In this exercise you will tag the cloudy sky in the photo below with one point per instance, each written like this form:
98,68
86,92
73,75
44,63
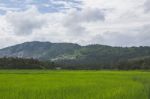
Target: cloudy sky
108,22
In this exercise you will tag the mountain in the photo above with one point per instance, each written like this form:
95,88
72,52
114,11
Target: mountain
38,50
74,55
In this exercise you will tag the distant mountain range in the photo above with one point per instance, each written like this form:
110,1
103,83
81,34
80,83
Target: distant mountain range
72,54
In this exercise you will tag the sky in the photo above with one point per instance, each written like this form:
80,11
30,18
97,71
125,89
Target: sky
106,22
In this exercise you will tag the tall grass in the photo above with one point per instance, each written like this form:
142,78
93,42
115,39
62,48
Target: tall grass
38,84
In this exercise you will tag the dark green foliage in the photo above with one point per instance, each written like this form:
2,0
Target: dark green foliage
19,63
74,56
141,63
107,57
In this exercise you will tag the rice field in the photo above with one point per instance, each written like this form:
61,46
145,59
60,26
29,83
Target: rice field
41,84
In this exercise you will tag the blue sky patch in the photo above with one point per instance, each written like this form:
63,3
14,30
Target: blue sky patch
44,6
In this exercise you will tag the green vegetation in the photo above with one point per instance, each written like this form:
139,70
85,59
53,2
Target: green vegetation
74,56
40,84
20,63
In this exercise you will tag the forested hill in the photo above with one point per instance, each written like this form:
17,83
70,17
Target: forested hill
38,50
69,55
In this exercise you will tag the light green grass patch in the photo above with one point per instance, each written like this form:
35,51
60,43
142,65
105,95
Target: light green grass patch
40,84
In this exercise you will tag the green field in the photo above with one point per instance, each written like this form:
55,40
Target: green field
40,84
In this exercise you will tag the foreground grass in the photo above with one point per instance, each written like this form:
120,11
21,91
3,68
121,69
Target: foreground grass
38,84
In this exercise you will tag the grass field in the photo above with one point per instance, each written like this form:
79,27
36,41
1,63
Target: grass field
40,84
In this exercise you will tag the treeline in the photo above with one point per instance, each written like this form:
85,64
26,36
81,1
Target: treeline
19,63
132,64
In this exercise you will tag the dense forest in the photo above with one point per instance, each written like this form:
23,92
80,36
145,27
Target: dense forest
133,64
143,63
20,63
46,55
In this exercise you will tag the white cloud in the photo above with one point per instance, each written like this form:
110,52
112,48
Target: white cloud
147,5
25,22
134,37
75,20
118,23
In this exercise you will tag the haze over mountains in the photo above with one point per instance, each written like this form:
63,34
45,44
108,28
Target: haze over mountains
74,54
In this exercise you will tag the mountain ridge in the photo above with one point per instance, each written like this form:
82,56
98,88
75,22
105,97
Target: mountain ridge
75,54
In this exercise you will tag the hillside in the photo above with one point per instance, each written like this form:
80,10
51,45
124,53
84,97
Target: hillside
69,55
38,50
